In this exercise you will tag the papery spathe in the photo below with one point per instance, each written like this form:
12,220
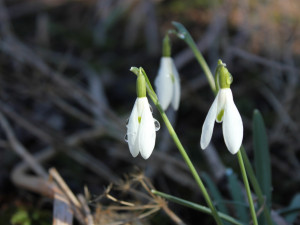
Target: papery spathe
224,109
167,84
141,131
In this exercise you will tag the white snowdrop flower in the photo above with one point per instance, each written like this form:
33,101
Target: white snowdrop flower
167,81
141,127
223,110
167,84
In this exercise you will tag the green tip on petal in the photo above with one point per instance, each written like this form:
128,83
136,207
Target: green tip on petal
140,85
166,46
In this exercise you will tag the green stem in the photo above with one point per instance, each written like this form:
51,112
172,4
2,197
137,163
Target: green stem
187,161
256,186
195,206
185,35
177,142
245,179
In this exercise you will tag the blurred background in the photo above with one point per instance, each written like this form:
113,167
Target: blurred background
66,92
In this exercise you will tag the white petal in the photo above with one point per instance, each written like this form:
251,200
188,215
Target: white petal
176,88
163,82
208,126
232,125
147,132
221,102
132,131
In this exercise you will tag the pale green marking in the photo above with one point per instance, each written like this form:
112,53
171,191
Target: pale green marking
220,115
139,119
172,78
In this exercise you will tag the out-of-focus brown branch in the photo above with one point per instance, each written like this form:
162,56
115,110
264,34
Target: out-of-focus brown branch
261,60
20,150
39,183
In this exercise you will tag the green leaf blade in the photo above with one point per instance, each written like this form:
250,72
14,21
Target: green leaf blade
262,156
237,196
216,195
262,160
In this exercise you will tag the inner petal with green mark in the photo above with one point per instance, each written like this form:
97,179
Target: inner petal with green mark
220,115
172,78
139,119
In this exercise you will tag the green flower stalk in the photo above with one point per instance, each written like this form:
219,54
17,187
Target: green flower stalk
183,34
181,149
224,110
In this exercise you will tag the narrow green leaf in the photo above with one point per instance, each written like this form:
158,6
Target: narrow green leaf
294,205
256,186
216,195
237,195
195,206
262,159
262,156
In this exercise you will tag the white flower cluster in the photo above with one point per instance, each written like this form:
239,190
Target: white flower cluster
142,127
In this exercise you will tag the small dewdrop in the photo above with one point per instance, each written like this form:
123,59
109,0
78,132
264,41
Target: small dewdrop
141,126
223,110
167,81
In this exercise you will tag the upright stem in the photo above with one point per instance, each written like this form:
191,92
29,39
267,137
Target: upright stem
204,65
152,95
245,179
185,35
256,186
188,161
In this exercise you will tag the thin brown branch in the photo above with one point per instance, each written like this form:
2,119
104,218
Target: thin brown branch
19,148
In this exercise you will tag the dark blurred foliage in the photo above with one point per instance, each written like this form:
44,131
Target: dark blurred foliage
65,83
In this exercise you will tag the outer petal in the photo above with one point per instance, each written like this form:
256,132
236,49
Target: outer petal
232,125
163,82
147,134
132,131
208,126
176,88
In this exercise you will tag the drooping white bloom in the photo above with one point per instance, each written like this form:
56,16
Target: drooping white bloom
224,110
141,129
167,84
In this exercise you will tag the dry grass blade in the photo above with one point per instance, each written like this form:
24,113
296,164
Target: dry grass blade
86,209
61,211
75,204
62,184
